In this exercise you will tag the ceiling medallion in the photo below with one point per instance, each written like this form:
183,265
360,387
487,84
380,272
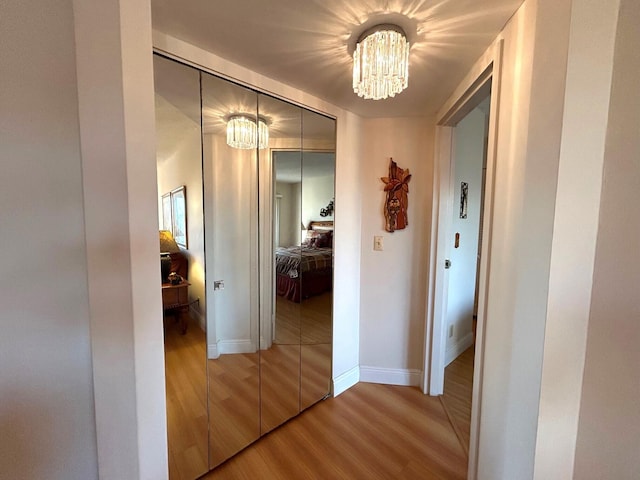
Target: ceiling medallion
381,62
243,133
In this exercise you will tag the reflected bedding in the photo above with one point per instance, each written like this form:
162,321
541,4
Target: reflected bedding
302,272
292,261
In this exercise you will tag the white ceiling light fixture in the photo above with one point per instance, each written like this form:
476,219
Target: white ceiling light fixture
381,62
243,133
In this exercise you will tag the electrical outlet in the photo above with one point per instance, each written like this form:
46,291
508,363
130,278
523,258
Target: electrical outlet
377,243
450,331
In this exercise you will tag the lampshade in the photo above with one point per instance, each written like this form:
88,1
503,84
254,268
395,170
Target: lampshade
167,242
243,133
381,62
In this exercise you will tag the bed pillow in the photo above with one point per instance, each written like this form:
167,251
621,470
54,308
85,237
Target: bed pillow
310,239
324,240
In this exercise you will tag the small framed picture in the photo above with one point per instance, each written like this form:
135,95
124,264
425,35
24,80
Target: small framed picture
464,194
174,214
167,221
179,215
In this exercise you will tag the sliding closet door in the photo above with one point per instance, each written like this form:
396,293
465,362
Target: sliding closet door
317,214
231,216
280,356
179,158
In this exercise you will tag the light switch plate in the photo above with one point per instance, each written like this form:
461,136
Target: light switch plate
377,243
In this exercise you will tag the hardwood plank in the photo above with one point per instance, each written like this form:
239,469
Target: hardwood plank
186,386
458,388
369,432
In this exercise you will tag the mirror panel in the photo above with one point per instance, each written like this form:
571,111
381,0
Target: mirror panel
280,354
179,157
317,214
231,216
250,348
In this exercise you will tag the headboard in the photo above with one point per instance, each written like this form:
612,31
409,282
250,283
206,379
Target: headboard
321,225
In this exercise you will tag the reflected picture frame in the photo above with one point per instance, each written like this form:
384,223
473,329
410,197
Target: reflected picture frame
174,214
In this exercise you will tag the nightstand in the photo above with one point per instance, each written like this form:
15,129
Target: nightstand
175,299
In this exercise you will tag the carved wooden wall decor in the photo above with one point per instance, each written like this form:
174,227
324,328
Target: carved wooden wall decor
397,201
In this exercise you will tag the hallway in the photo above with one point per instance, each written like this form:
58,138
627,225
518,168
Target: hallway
368,432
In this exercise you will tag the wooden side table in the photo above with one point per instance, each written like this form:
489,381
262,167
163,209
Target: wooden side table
175,299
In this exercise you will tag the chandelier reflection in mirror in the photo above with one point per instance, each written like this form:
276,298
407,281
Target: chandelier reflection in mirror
243,133
381,62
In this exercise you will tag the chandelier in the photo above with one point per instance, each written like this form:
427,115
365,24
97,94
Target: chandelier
242,132
381,62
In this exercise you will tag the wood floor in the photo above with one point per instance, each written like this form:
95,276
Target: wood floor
186,384
371,432
458,386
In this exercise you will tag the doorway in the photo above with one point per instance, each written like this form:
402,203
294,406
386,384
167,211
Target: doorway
468,173
482,81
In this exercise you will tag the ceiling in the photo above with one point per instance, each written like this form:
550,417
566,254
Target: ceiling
308,43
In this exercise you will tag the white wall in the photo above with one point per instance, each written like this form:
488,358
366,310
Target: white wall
608,433
574,233
289,213
528,144
317,192
179,161
232,242
46,393
393,281
115,92
469,147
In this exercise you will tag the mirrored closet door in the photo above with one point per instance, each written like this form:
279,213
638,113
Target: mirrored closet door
231,233
180,213
249,348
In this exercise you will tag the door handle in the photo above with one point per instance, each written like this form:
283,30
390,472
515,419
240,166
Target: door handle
447,264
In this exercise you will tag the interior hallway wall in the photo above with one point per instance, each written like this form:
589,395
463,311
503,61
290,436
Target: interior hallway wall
46,393
609,424
393,282
530,103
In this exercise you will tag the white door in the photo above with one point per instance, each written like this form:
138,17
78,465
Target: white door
469,146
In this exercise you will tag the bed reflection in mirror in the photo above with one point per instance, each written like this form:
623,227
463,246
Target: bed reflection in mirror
280,354
304,252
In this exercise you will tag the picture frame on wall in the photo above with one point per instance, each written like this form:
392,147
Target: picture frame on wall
174,214
167,222
179,215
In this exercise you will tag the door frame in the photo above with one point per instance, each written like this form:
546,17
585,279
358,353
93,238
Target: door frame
484,75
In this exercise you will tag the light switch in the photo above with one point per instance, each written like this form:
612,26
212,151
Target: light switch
377,243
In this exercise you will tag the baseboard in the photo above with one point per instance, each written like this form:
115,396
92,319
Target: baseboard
455,350
214,350
391,376
346,381
197,316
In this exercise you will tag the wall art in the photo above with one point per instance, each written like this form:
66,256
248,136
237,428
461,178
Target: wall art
464,195
397,200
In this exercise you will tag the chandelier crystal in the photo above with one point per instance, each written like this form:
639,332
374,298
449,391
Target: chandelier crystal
381,63
243,133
